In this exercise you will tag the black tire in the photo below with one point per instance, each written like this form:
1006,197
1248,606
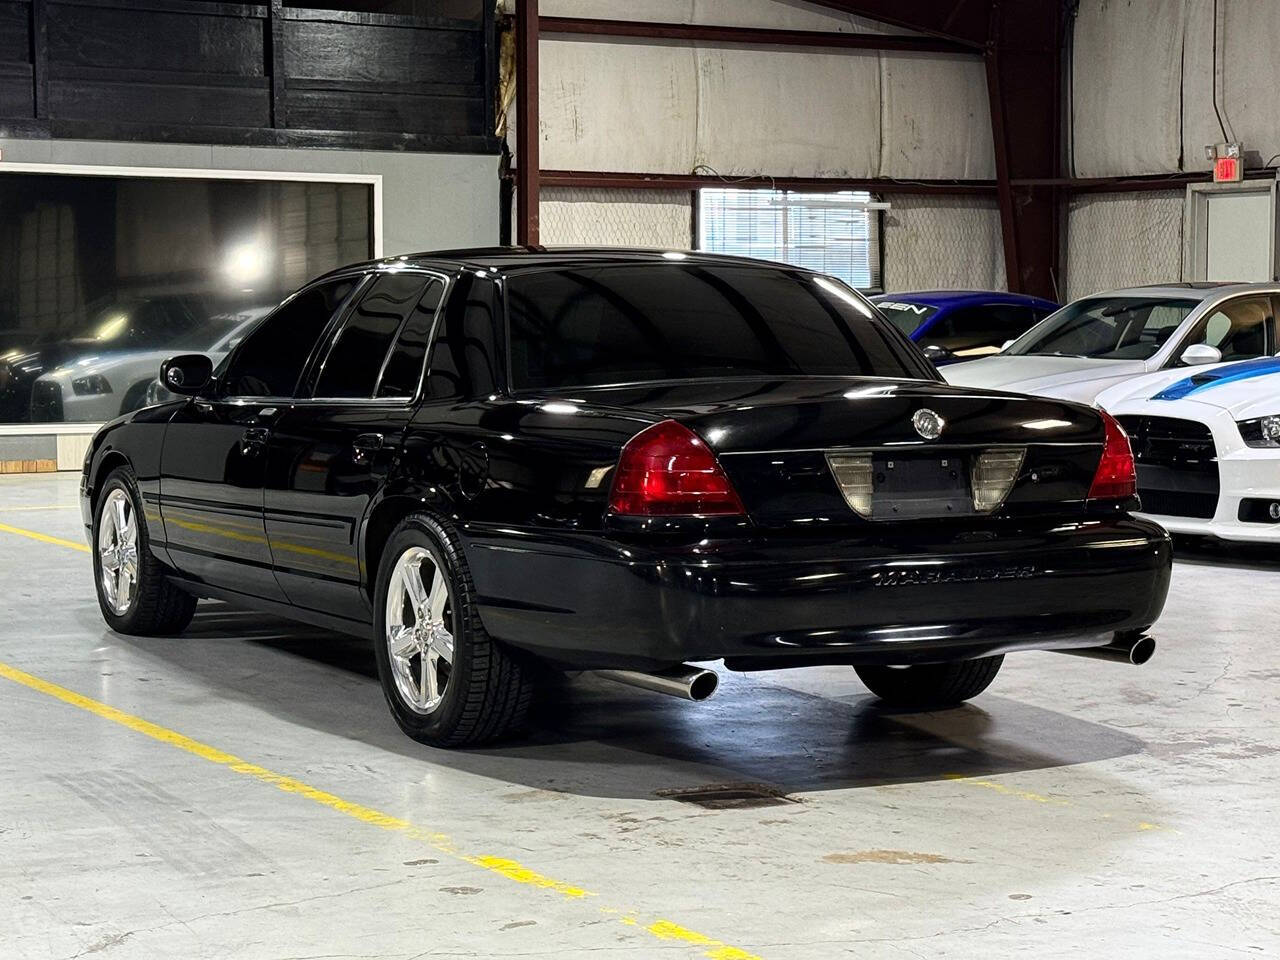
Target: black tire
489,686
157,606
931,686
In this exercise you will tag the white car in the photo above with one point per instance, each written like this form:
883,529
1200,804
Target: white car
1207,446
101,386
1100,341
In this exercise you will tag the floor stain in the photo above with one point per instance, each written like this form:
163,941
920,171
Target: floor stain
889,856
462,891
420,863
519,923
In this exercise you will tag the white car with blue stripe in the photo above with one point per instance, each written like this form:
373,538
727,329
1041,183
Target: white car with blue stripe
1207,445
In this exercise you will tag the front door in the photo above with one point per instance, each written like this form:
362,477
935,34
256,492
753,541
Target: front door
214,460
332,451
212,470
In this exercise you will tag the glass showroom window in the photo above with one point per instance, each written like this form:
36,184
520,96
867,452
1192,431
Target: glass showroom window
835,233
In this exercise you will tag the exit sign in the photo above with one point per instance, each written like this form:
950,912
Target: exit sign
1228,170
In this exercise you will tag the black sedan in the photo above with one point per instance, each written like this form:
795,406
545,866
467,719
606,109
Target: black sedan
498,461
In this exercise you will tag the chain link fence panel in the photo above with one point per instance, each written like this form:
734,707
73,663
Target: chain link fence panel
939,243
1123,240
617,218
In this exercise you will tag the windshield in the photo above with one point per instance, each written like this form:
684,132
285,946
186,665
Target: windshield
1106,328
593,325
907,317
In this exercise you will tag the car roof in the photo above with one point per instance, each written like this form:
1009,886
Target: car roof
954,298
1188,291
512,259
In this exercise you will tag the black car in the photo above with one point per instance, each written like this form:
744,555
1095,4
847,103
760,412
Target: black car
500,461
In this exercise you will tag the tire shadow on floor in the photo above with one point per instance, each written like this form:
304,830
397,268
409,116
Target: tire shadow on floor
593,737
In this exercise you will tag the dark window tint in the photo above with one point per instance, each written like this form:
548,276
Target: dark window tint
270,360
617,324
464,358
404,366
355,359
980,328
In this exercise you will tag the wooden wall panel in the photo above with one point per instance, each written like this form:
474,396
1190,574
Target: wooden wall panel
207,71
148,40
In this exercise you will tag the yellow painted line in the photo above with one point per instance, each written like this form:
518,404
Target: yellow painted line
44,538
1006,790
1036,797
513,870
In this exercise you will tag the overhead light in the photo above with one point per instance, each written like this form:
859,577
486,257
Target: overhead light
246,263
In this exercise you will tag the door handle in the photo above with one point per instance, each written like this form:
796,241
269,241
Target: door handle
254,440
366,444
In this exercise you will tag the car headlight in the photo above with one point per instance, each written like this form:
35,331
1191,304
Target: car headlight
1261,432
92,384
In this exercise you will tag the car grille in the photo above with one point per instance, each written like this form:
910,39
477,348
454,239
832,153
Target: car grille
46,402
1177,466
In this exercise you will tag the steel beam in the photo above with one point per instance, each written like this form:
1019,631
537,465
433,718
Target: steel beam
587,179
747,36
527,176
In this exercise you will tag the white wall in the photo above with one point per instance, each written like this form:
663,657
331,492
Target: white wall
1144,80
1143,103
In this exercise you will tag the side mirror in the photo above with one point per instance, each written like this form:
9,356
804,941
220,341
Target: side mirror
938,354
186,374
1199,354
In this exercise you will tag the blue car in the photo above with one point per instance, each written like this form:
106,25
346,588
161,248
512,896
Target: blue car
955,325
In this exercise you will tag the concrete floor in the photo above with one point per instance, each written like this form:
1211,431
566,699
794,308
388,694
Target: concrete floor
1078,809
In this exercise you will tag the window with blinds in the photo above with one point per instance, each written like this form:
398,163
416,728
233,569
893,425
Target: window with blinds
833,233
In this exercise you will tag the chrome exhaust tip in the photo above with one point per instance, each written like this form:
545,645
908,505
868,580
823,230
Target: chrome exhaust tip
1136,650
684,682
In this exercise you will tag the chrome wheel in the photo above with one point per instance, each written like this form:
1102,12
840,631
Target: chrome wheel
419,639
118,551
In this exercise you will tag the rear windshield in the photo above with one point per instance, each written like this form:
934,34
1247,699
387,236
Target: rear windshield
907,317
1106,328
595,325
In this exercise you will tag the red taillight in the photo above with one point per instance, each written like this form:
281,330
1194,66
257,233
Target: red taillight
666,470
1116,476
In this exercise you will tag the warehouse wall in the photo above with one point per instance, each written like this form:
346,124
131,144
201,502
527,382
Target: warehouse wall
673,107
933,243
1142,102
1123,240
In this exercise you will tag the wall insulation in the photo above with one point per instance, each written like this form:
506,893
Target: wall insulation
1123,240
933,243
617,218
1143,82
645,106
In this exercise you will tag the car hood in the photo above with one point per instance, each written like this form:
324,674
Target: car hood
1075,378
1247,388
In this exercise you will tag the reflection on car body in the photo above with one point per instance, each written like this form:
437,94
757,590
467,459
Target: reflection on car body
492,461
101,385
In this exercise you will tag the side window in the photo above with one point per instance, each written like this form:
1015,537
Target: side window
403,371
1241,329
464,357
970,326
357,354
269,361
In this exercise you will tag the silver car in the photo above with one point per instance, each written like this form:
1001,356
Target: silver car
1102,340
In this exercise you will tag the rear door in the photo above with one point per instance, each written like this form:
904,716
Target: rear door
213,463
332,449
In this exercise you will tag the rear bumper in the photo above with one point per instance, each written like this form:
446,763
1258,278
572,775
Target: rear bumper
590,602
